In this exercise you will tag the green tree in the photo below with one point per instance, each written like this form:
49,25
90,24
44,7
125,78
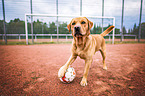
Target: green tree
135,29
124,30
16,26
37,27
94,30
99,30
52,28
143,30
1,27
117,31
45,28
63,28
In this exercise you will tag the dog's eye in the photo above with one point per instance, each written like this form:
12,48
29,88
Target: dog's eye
73,23
83,22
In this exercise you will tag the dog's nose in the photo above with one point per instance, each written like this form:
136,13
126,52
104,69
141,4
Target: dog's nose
77,29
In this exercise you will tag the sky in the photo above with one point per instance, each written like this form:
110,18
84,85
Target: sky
112,8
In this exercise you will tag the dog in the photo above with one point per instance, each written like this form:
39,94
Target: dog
85,45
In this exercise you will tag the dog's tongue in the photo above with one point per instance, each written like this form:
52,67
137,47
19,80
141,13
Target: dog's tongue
79,40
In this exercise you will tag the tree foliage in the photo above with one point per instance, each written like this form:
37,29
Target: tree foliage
135,30
17,26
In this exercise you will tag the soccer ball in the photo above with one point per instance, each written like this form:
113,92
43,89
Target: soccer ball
69,75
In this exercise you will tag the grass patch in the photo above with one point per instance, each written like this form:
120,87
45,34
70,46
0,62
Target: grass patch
124,42
27,83
108,91
33,72
108,42
13,43
35,77
34,82
52,42
109,84
3,84
128,42
30,43
98,77
117,85
104,81
112,78
9,61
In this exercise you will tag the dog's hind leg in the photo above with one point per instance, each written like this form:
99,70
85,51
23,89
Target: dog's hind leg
103,52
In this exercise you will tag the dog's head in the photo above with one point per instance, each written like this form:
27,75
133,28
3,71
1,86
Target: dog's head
80,27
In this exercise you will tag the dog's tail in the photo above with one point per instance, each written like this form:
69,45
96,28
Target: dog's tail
107,31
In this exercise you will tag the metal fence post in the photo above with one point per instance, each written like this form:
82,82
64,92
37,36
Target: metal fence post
135,38
4,22
51,38
35,37
109,37
57,20
113,35
80,7
26,30
66,37
31,21
139,34
3,37
102,13
19,37
122,20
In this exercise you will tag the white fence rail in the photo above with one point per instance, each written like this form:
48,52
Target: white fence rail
66,35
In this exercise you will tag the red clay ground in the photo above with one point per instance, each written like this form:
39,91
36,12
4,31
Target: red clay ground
32,70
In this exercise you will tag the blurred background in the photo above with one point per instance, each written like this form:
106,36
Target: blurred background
128,14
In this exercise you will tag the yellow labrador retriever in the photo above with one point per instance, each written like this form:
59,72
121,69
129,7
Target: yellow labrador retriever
85,45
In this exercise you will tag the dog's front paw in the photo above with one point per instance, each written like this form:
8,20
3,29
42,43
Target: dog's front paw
105,68
61,72
83,82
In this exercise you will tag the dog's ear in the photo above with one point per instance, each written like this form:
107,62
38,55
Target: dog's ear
90,25
69,27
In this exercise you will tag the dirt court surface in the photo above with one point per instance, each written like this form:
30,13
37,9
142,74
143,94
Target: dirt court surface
32,70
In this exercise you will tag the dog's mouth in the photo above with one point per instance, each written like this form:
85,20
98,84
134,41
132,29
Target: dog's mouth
78,34
77,31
